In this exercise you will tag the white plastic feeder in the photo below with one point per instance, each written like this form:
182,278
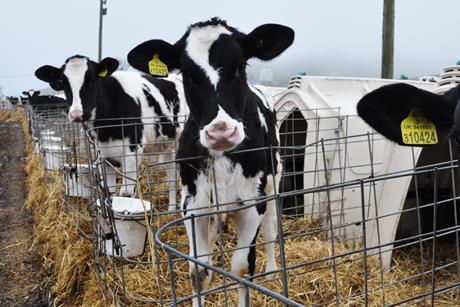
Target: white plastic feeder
47,132
51,141
54,156
129,214
78,180
36,145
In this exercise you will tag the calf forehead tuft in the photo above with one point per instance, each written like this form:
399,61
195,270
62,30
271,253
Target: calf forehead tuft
211,22
76,61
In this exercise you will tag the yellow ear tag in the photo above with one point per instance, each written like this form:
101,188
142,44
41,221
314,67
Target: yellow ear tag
103,73
157,67
417,130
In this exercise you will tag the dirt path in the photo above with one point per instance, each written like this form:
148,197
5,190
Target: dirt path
20,279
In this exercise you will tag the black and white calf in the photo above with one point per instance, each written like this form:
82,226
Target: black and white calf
385,108
226,115
36,99
14,100
99,96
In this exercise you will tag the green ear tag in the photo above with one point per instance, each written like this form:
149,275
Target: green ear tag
417,130
103,73
259,43
157,67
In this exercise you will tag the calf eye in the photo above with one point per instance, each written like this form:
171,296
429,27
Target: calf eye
195,80
240,70
57,85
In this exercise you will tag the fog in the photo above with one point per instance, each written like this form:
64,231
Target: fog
333,37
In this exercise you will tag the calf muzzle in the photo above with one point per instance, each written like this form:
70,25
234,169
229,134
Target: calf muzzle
76,116
221,136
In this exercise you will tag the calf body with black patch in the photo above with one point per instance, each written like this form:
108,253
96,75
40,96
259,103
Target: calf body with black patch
154,106
36,99
125,110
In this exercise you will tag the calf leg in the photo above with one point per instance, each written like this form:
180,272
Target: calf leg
269,233
269,222
110,178
200,276
171,173
129,167
202,234
107,169
244,258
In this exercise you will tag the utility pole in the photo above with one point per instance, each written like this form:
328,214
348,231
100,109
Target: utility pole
102,12
388,39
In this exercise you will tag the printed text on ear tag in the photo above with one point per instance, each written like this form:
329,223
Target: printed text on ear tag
157,67
417,130
103,73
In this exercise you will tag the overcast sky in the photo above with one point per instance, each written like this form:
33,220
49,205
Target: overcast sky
333,37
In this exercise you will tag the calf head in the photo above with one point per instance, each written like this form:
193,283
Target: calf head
212,57
31,94
385,108
77,78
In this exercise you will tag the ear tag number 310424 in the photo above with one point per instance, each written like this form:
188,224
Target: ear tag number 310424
157,67
417,130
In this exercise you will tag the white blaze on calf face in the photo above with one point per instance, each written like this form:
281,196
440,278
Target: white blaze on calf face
223,133
75,70
199,42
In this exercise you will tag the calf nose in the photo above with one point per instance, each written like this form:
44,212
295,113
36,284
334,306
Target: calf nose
76,116
222,136
220,131
219,126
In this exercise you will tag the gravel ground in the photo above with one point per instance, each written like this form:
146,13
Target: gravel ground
20,278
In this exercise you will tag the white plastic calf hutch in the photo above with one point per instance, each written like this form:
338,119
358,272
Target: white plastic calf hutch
339,147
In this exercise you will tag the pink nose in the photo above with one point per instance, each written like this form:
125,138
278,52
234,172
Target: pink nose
76,116
220,136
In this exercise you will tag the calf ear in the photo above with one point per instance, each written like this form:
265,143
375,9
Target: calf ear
107,66
48,73
268,41
155,57
25,94
385,108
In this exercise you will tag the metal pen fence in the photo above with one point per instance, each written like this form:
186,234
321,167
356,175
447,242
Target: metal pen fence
62,146
319,266
360,221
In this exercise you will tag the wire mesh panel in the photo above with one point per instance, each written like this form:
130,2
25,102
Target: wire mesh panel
127,145
7,104
140,165
319,264
156,275
129,265
63,148
360,221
